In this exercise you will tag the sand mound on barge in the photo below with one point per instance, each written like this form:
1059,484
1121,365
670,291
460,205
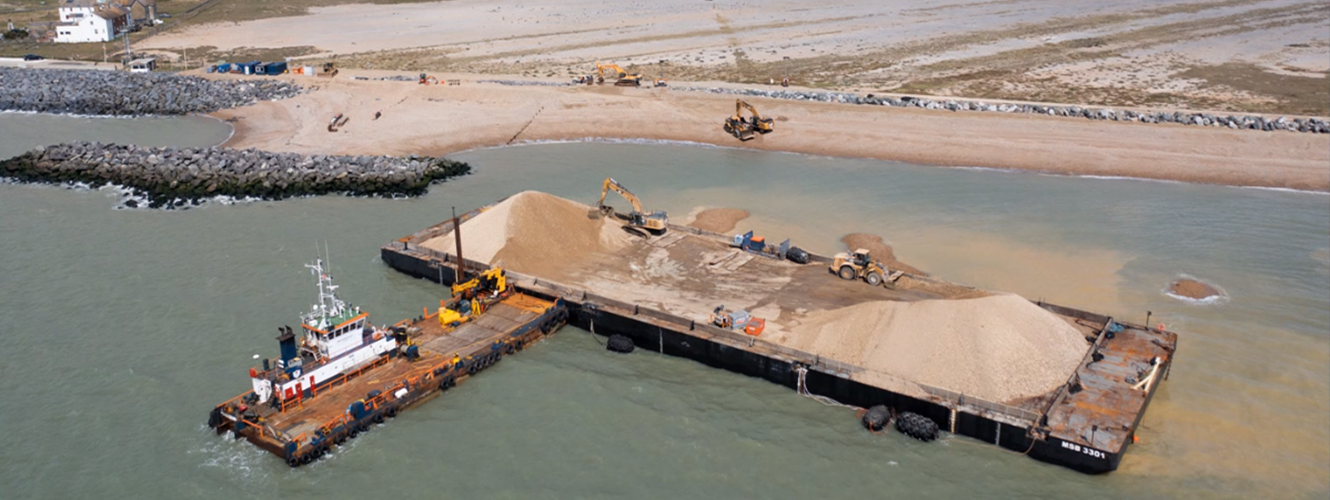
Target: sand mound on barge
999,348
554,231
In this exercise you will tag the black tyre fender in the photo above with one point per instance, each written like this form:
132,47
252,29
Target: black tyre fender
340,439
391,412
927,428
378,418
305,459
876,418
471,369
509,349
293,462
846,273
355,431
619,343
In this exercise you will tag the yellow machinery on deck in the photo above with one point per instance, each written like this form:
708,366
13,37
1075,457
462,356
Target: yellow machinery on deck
625,79
743,128
469,297
653,222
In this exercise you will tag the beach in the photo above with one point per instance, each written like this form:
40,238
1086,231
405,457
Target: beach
443,119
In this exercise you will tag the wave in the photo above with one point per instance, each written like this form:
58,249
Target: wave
1129,178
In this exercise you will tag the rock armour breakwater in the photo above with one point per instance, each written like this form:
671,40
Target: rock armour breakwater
171,177
114,93
1311,125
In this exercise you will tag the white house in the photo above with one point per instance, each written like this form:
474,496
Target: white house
91,22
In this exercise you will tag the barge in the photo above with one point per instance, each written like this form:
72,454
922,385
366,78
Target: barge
1086,424
339,376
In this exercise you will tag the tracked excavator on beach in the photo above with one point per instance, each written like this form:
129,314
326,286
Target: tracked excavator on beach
743,128
625,79
639,222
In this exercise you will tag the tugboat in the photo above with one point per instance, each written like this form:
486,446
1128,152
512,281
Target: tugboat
316,394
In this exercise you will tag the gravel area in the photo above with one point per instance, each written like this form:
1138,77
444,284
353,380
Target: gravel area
93,92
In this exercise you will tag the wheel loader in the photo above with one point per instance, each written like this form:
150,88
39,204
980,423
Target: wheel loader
860,265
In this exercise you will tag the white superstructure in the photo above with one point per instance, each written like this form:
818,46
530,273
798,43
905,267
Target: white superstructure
335,339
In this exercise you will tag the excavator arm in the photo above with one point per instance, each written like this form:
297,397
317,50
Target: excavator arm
618,72
626,79
613,185
739,106
758,123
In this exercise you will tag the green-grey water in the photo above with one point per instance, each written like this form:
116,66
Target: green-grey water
125,326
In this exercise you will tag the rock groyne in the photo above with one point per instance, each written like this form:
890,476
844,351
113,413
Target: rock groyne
115,93
1249,122
170,177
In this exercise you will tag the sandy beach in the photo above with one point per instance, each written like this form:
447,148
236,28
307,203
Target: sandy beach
442,119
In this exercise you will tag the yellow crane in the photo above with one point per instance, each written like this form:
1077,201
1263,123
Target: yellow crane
469,298
743,128
626,79
653,222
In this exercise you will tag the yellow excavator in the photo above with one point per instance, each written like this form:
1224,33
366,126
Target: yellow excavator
640,222
743,128
625,79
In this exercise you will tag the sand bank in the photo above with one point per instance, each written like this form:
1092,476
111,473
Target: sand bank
718,220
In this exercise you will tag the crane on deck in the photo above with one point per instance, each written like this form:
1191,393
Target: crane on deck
639,221
743,128
625,79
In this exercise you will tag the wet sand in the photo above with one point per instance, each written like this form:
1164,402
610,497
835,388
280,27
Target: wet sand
439,120
718,220
1192,289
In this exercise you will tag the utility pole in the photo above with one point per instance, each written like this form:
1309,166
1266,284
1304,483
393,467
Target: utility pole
457,234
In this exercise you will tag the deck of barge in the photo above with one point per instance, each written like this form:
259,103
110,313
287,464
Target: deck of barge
508,323
1086,424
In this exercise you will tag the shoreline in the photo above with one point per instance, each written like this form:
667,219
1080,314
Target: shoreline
440,120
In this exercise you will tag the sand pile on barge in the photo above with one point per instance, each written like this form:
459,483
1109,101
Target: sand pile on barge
553,232
999,348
